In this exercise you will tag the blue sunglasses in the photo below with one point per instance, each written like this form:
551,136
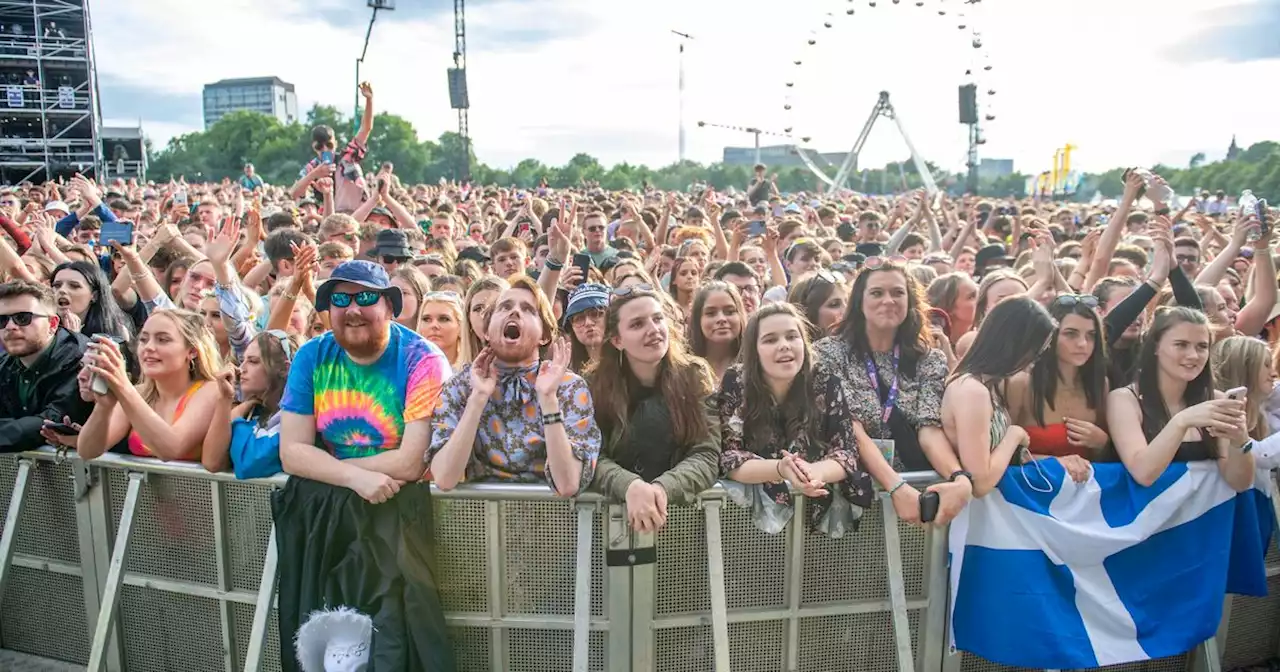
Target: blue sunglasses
363,299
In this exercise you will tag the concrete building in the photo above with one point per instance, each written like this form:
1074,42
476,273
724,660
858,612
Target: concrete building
777,156
268,95
993,168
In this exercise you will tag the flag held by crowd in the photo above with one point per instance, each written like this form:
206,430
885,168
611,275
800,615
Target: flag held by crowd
1049,573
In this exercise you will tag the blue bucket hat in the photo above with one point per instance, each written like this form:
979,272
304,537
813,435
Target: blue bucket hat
588,295
365,274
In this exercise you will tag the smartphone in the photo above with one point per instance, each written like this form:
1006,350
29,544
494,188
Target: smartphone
756,228
929,502
116,232
1237,393
1260,209
326,156
180,198
582,261
59,428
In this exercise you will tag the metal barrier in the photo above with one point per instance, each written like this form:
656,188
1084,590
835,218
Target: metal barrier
134,564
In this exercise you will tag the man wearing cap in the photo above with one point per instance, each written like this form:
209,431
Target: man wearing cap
359,398
990,257
355,424
391,248
58,209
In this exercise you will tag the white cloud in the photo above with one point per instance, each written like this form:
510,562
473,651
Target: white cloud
1089,72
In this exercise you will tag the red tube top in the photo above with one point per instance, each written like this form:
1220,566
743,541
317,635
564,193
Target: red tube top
1052,440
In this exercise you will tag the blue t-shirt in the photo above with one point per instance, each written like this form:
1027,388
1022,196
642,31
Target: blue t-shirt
362,410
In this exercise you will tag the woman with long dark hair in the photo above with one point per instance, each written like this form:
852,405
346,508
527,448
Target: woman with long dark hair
975,409
246,436
715,331
81,289
821,296
892,378
778,429
1172,412
649,393
1061,402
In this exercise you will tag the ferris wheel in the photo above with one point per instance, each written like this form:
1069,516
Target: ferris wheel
976,93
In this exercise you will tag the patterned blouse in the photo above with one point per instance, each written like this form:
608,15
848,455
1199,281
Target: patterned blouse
847,499
919,396
510,443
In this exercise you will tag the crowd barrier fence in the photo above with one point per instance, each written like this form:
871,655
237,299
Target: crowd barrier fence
125,563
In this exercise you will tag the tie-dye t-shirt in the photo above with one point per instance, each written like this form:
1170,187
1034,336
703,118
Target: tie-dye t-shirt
361,410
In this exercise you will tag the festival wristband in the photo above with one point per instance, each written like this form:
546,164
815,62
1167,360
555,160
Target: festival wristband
897,487
552,418
958,473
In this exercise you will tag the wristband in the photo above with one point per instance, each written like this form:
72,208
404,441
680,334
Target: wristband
1248,446
552,264
896,487
957,474
552,418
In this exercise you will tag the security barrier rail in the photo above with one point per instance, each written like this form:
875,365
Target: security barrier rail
128,563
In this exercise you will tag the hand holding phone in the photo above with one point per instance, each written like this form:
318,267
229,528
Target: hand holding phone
583,262
1238,393
929,503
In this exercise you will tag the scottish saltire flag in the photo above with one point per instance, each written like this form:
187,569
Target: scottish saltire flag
1048,573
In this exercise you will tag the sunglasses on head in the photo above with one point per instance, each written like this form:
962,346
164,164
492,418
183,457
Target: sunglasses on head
283,339
363,299
429,259
1070,300
628,291
826,276
22,318
877,262
443,296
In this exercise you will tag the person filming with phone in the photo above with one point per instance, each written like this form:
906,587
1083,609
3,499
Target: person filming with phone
37,369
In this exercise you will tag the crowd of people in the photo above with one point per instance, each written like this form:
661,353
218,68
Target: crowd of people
358,331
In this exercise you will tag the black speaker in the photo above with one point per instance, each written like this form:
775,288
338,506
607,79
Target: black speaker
969,104
458,99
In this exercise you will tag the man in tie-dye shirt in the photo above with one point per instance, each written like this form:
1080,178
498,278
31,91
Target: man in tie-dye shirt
358,404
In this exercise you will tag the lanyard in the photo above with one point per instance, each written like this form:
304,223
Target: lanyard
893,387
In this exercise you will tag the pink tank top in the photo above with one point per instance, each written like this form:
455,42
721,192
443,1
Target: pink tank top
137,447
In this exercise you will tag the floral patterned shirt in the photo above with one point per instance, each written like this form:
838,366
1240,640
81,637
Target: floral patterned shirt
833,429
919,396
510,443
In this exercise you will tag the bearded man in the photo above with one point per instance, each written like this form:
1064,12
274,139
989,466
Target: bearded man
356,415
511,415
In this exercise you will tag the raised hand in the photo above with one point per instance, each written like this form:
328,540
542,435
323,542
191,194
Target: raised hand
108,363
219,246
366,90
551,373
484,378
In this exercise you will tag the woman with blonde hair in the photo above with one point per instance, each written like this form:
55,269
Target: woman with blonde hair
1243,361
480,298
440,320
166,415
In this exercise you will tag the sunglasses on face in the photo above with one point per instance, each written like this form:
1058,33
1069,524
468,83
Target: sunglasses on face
22,319
595,229
363,299
395,260
628,291
1187,259
1070,300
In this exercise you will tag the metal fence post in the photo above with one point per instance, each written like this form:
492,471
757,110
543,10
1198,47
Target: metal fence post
11,518
795,578
618,587
222,564
115,576
643,586
897,585
93,517
582,588
715,584
262,607
933,640
493,553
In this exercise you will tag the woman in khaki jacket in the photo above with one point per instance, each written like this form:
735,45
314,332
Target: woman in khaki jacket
661,443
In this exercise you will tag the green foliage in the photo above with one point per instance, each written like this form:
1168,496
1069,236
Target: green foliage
278,151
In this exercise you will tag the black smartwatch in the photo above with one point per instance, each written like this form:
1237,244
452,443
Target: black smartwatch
957,474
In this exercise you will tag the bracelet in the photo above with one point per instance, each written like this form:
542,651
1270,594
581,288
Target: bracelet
957,474
1247,447
778,465
292,296
552,418
895,488
553,264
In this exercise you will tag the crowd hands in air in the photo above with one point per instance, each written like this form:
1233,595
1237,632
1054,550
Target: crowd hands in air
365,332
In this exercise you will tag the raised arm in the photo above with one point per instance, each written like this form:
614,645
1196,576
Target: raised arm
1112,234
1253,316
366,122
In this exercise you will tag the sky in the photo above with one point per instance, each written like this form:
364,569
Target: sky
1128,82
